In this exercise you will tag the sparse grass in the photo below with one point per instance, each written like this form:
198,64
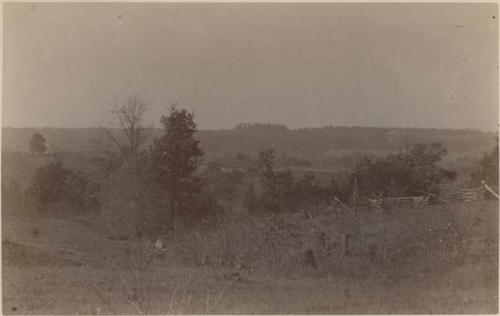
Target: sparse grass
42,275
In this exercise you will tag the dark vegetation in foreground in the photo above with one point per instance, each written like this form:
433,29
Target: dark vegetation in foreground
144,204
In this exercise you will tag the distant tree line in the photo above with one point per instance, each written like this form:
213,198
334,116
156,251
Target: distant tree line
251,138
315,142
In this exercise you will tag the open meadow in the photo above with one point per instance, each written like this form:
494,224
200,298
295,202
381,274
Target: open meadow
438,259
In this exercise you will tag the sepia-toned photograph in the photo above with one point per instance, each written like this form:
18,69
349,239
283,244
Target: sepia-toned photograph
249,158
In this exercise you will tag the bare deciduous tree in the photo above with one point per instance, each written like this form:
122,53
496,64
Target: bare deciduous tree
128,123
128,120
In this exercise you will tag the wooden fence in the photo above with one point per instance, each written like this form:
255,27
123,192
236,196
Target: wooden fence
463,195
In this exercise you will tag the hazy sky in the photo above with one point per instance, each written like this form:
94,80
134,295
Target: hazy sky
422,65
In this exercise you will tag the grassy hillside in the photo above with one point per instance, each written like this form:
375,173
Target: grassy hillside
439,259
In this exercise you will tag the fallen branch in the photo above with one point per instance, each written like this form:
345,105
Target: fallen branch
489,189
437,197
136,306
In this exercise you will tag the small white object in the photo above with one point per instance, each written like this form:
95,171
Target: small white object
159,245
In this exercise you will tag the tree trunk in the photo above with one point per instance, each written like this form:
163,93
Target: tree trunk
137,194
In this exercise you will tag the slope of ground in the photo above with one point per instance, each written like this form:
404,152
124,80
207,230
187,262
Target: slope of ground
437,259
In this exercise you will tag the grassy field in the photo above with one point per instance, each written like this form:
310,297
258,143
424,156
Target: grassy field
439,259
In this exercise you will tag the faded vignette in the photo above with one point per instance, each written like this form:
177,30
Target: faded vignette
249,158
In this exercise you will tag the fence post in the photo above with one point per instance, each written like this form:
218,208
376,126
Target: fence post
355,192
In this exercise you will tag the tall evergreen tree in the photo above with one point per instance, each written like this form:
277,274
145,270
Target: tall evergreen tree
174,159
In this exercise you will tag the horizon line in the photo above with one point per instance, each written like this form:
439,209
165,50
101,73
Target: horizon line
276,124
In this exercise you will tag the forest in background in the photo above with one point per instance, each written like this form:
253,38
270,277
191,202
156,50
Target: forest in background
251,138
310,149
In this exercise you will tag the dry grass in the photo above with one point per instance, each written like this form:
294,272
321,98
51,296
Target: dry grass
255,267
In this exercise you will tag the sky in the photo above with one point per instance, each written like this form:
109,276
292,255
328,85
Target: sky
302,65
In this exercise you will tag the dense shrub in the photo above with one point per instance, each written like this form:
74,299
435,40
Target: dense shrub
406,173
488,168
281,192
250,199
132,204
52,183
403,174
80,192
48,184
203,211
308,191
222,185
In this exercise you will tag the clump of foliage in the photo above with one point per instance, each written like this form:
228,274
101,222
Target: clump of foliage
221,184
52,183
308,191
131,205
250,199
48,184
405,173
80,192
38,144
488,168
280,190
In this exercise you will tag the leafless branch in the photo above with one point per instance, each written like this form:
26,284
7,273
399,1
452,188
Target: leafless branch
117,143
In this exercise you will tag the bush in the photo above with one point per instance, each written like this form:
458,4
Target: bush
250,200
404,173
220,184
48,184
203,211
80,193
52,183
281,192
129,208
488,168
